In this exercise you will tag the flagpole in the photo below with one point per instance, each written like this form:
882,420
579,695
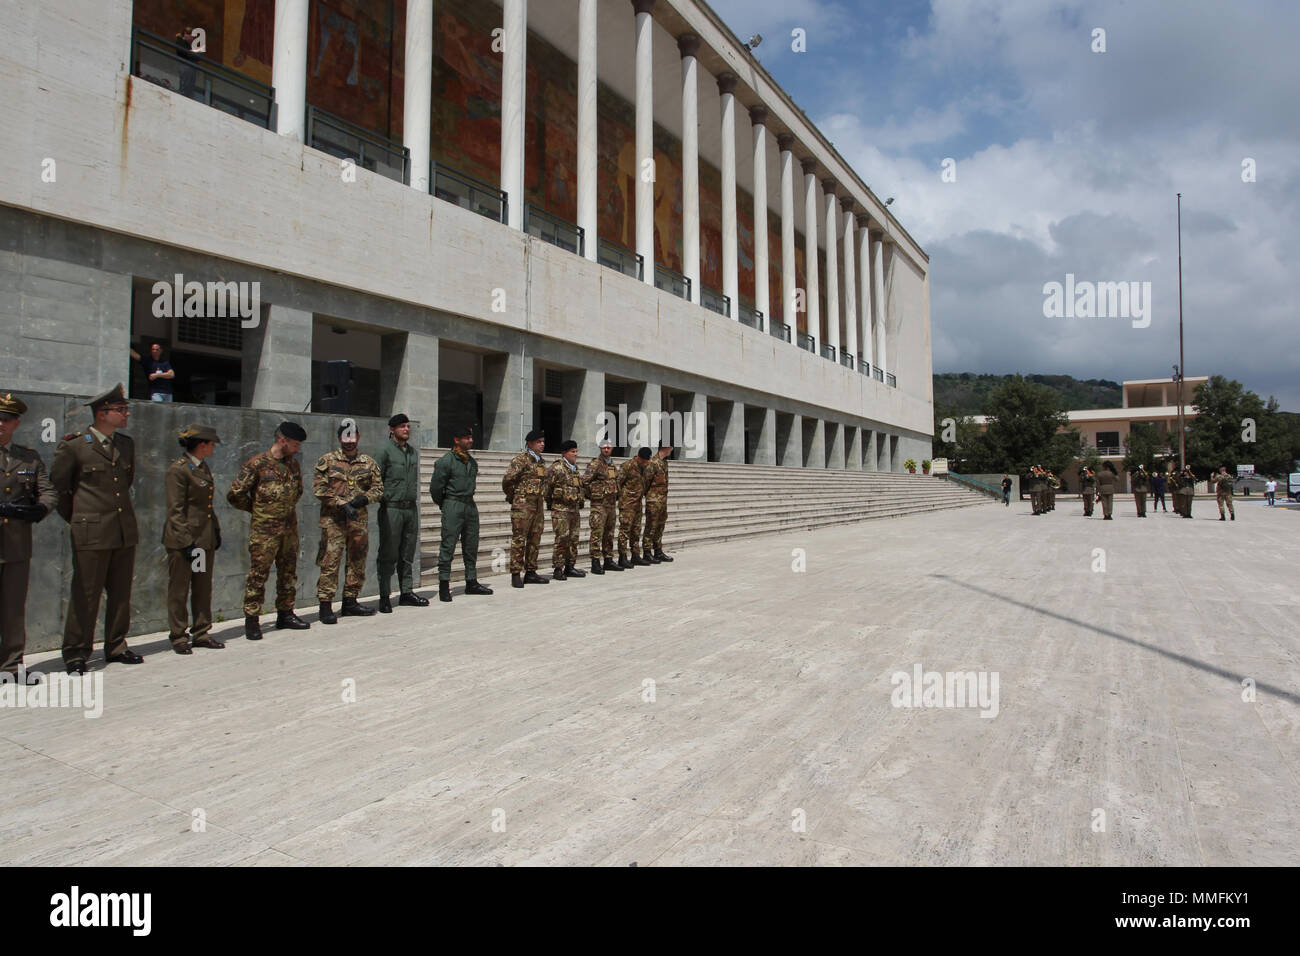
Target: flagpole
1182,366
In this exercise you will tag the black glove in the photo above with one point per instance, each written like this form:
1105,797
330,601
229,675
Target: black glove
32,513
349,512
360,501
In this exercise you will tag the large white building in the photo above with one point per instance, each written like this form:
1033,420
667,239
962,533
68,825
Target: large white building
436,215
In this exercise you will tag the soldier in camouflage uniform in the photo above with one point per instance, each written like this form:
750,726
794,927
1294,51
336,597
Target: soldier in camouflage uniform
524,484
600,484
631,491
268,487
345,482
564,496
1223,491
656,505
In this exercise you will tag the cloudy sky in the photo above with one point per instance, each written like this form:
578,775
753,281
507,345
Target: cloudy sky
1068,161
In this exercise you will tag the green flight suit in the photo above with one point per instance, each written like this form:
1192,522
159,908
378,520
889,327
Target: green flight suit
399,515
452,489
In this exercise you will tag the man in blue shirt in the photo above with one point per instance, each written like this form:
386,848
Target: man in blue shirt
160,374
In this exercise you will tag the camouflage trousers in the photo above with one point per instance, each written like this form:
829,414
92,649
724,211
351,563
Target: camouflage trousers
1087,504
339,537
603,524
1226,500
629,525
526,523
656,514
566,524
273,541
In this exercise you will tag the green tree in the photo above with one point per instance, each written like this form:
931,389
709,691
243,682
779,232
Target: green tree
1142,444
1235,426
966,447
1024,423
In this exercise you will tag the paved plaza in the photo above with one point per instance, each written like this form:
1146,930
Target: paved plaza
726,709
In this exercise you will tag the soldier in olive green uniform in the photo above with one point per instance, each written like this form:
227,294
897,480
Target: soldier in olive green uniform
1107,481
564,496
26,497
1088,488
399,515
1187,490
268,487
656,505
600,484
631,492
345,482
1141,485
455,477
1223,491
1174,484
1036,485
92,474
523,484
1050,486
191,535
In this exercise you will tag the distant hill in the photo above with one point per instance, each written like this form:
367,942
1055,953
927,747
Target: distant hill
963,393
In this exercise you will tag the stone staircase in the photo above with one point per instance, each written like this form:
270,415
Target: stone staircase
707,502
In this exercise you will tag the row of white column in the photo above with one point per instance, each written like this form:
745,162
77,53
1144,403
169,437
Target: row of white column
863,312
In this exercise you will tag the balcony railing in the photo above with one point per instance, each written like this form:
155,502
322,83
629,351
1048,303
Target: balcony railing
846,360
550,228
619,258
715,301
336,136
807,342
879,373
674,282
171,65
451,185
751,316
779,330
864,366
828,352
890,380
1106,451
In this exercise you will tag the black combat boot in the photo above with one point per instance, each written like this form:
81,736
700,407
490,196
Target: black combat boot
557,575
290,621
597,567
532,577
411,599
385,605
659,553
473,587
252,628
649,555
623,562
327,615
516,580
571,572
637,559
444,591
612,565
352,609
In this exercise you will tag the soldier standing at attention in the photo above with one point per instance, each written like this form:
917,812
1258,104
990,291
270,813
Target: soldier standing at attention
1141,485
524,483
656,504
631,490
600,483
345,482
1223,491
26,497
268,487
191,535
1106,482
399,516
564,497
451,487
92,474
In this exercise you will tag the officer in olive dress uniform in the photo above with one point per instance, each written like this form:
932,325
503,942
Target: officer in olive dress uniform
1107,481
452,486
26,497
600,484
191,535
563,495
524,483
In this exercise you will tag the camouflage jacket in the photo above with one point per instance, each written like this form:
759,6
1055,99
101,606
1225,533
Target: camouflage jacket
267,487
525,478
656,478
1223,485
600,481
340,479
563,486
631,482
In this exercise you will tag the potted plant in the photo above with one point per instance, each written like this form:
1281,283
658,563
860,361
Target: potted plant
910,465
925,466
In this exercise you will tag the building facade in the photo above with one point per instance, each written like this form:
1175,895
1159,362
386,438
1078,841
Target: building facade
523,214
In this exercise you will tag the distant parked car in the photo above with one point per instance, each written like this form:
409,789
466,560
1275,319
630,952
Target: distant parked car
1293,486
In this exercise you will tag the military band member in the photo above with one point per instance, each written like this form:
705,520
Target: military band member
1088,488
564,497
92,473
631,492
345,481
656,504
455,477
191,535
524,484
1174,483
1141,485
399,515
600,484
1223,491
268,487
1187,489
1107,481
26,496
1036,485
1050,486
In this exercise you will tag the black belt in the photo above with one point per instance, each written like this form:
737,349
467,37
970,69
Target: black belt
398,504
468,499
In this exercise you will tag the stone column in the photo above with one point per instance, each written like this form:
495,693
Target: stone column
785,141
868,450
417,97
812,294
514,72
835,446
864,293
408,381
276,361
584,402
878,295
832,267
507,400
765,446
817,447
730,258
587,127
850,284
695,424
853,448
689,45
645,187
289,69
647,399
732,445
792,452
758,120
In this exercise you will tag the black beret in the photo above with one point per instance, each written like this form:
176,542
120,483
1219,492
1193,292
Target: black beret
534,435
643,453
463,431
568,445
292,430
398,419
